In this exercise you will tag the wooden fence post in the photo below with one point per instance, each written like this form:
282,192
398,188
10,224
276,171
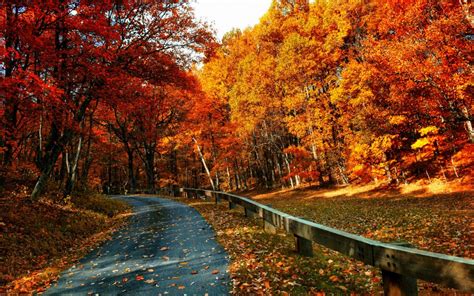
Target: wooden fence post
269,227
395,284
231,205
304,246
249,213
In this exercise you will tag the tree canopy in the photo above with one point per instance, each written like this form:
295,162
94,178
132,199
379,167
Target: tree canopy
323,92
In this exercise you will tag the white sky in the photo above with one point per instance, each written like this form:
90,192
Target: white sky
228,14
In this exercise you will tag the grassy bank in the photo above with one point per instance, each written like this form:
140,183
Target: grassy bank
432,217
39,240
263,263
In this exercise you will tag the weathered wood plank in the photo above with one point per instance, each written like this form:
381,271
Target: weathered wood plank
449,271
348,244
395,284
250,214
304,246
269,227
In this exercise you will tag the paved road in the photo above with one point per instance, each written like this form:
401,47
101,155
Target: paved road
168,249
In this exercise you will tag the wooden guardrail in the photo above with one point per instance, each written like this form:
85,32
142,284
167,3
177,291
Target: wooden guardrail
401,265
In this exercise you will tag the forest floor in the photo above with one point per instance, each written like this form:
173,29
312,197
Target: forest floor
437,216
431,217
40,239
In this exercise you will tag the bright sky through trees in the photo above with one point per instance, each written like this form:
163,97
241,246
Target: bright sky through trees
229,14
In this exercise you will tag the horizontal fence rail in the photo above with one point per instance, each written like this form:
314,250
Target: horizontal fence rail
401,265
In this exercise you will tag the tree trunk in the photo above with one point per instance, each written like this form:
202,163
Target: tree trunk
87,157
289,170
318,165
468,124
71,180
229,179
132,181
204,164
150,170
387,168
53,149
344,178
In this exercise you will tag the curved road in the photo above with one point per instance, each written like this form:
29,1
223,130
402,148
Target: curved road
167,249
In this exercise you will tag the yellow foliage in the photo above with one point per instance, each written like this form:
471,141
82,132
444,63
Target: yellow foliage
361,150
381,145
433,130
420,143
398,119
358,168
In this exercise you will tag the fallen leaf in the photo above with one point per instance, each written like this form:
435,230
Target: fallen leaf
267,284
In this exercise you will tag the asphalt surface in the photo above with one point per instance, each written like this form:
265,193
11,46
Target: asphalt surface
167,249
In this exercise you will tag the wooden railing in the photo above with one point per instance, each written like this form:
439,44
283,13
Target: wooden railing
401,265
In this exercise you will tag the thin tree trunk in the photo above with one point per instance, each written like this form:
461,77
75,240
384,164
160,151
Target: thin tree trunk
289,170
454,168
87,157
71,180
48,164
204,164
229,179
318,164
387,168
468,124
132,182
53,150
244,177
344,178
150,170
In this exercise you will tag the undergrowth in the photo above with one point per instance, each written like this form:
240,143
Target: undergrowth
40,239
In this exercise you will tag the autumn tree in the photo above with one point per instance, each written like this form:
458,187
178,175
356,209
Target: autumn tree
355,85
68,55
